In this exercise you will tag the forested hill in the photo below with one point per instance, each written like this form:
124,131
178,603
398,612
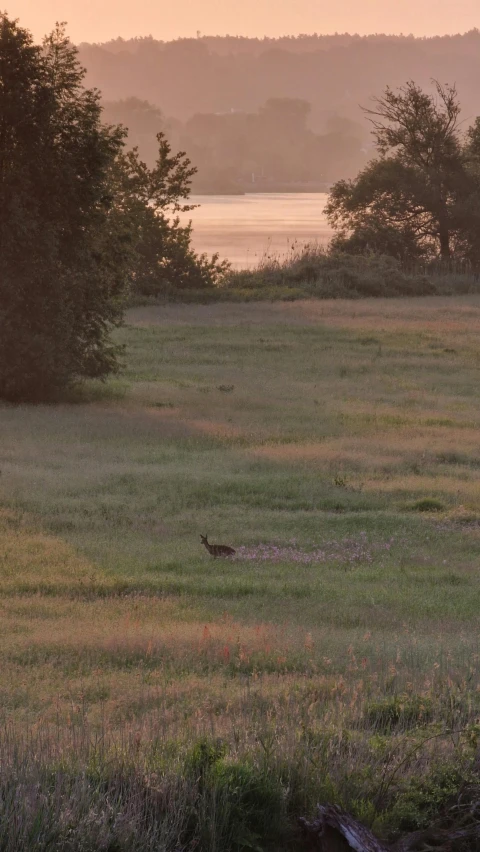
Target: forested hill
270,114
333,73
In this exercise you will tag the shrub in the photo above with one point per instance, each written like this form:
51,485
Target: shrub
426,504
422,799
239,806
311,270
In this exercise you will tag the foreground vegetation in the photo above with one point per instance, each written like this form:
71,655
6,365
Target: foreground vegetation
155,698
309,271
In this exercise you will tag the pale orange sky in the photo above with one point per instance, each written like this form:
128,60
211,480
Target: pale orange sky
100,20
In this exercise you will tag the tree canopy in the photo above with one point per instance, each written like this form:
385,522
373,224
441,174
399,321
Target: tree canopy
420,198
81,220
61,269
148,201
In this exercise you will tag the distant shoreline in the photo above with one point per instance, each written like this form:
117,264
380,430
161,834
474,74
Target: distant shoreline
262,189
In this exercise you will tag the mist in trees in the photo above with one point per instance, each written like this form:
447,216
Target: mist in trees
333,73
270,149
215,96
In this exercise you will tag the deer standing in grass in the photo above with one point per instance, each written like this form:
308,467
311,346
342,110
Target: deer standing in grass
217,549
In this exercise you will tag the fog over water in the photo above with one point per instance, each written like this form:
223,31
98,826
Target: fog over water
243,228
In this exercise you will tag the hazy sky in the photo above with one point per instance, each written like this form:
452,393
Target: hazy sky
100,20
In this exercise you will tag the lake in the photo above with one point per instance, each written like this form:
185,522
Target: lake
243,228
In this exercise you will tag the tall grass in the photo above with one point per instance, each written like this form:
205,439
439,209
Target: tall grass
394,759
312,271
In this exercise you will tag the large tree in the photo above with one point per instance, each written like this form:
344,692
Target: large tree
62,264
81,221
417,197
147,201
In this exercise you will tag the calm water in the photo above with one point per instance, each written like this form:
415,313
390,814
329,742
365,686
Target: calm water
245,227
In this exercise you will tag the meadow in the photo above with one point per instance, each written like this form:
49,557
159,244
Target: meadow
155,698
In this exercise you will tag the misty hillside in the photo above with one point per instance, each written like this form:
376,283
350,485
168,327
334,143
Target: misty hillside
333,73
232,82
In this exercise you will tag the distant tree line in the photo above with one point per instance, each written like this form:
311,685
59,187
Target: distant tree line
237,151
232,45
222,98
335,74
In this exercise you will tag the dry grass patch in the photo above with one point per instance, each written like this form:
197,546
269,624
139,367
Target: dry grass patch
33,559
423,484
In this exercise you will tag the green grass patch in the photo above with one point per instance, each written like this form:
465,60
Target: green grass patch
334,445
426,504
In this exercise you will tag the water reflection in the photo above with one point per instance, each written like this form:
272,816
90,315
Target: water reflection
243,228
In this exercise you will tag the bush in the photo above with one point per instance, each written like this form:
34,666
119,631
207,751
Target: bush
240,805
312,271
423,799
252,802
426,504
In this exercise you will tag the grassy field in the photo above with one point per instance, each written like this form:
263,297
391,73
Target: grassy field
336,446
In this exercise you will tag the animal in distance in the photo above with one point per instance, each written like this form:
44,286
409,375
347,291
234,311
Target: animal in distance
217,549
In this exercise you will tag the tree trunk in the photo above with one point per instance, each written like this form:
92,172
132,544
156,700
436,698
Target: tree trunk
444,236
336,831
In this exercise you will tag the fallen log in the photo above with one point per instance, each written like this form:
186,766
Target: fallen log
440,840
335,831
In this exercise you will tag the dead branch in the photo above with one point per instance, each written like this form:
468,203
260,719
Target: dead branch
333,824
333,830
